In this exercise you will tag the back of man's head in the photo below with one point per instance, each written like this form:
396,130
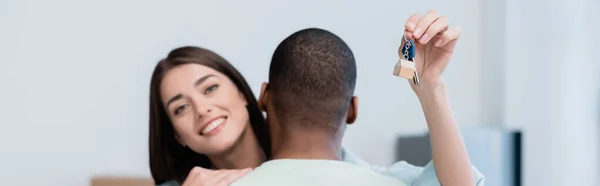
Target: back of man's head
311,80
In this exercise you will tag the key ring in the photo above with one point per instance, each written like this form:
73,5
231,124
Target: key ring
407,45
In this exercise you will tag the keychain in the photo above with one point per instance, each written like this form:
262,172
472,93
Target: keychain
405,67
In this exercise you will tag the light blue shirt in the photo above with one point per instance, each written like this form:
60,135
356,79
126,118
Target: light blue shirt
409,174
309,172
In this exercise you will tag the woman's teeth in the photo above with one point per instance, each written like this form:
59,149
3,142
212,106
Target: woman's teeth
213,125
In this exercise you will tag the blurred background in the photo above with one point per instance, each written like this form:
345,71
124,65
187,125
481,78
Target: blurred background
523,83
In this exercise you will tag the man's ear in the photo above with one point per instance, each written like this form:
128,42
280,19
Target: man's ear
262,98
352,110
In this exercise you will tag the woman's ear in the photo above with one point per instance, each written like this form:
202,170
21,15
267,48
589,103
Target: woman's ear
352,110
262,98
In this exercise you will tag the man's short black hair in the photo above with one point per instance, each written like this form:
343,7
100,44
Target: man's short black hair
312,79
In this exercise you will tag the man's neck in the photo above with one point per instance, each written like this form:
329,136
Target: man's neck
245,153
307,145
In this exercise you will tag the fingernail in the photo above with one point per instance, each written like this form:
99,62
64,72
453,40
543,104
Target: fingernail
411,26
438,42
425,38
417,32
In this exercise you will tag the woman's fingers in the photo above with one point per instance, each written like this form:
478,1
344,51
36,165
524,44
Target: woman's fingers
423,24
199,176
437,27
196,175
411,23
450,35
230,177
225,177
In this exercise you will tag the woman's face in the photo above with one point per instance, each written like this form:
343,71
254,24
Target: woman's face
207,111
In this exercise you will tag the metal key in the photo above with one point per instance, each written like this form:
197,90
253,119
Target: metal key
416,77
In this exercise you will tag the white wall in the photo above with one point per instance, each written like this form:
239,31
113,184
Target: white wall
75,75
549,87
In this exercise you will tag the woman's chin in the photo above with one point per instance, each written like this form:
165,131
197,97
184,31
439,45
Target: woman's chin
220,144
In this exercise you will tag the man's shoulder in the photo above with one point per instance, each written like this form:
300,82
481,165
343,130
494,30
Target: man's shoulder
314,172
408,173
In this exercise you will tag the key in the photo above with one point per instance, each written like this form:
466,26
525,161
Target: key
416,78
405,67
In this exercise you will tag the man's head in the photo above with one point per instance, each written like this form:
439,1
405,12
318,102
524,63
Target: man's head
311,84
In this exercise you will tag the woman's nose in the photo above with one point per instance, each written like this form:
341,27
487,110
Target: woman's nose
203,110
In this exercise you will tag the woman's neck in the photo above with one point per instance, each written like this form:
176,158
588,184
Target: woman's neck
245,153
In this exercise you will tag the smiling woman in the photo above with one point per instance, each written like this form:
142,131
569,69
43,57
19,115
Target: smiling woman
200,99
202,114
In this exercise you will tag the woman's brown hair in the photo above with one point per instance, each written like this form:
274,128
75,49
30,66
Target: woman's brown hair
168,159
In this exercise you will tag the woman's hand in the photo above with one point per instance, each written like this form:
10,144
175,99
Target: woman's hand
434,42
199,176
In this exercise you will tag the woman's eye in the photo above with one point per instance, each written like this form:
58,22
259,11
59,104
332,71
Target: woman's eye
180,109
211,89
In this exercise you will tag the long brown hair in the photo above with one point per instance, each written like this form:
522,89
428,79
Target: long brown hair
168,159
